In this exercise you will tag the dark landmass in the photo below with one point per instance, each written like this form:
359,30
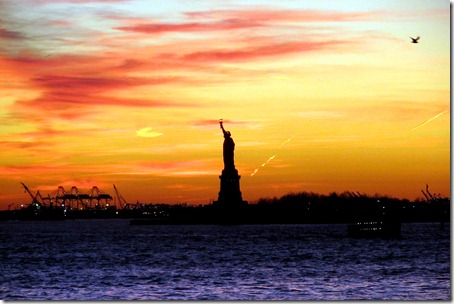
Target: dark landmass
295,208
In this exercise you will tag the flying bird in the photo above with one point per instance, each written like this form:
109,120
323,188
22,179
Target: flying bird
414,40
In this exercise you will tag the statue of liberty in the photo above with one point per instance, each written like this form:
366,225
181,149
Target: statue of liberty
228,149
229,194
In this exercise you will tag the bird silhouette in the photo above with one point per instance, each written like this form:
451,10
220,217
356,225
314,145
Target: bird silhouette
414,40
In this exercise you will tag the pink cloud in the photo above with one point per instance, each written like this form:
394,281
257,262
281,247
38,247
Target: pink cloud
63,23
74,107
25,145
222,25
7,34
63,62
255,45
260,51
99,83
87,83
226,20
72,86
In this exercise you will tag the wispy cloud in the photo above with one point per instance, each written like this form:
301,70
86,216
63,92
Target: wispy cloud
70,85
260,51
146,132
191,27
8,34
238,19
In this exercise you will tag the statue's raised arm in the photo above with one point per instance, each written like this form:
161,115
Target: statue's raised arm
222,127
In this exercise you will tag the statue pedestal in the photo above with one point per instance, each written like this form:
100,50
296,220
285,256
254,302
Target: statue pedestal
230,194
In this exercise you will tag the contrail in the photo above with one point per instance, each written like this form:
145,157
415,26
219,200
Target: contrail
288,140
272,157
429,120
264,164
269,159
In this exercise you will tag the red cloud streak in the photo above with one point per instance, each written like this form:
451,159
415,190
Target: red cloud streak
276,49
247,19
99,83
7,34
156,28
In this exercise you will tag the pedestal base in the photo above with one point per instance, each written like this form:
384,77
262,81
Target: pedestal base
230,194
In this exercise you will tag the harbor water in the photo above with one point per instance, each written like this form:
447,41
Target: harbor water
112,260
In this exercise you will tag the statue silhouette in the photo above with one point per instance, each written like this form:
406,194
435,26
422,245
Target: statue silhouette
229,195
228,149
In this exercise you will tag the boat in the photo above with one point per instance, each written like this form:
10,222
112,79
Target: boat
375,228
379,219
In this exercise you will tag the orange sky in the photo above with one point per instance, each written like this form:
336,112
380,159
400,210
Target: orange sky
319,96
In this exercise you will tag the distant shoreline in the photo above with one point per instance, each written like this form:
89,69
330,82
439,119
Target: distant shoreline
301,208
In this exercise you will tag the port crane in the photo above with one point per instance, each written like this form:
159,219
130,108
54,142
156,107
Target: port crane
34,196
99,196
72,199
121,201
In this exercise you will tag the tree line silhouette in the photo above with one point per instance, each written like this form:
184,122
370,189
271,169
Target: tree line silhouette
349,207
300,207
308,207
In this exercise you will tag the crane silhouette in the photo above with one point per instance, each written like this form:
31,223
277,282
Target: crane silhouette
414,40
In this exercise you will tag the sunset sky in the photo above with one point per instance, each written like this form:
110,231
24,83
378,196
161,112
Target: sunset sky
319,96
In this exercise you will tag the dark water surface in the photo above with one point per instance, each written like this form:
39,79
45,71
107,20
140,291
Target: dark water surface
111,260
